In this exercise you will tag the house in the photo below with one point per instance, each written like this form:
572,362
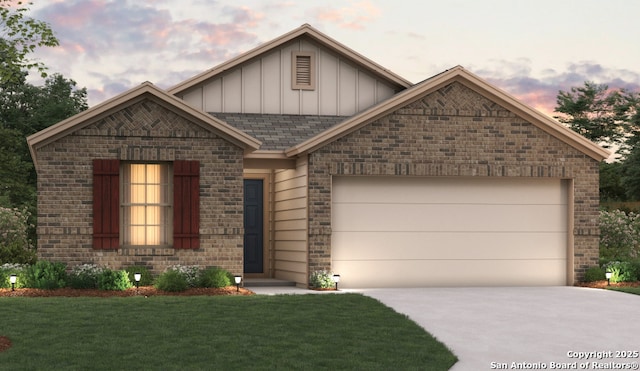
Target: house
303,155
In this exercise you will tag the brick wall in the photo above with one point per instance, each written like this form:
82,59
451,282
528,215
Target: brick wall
145,131
453,132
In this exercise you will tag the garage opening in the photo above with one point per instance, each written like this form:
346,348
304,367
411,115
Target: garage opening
437,231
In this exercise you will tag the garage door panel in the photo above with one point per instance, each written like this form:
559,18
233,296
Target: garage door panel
404,246
404,231
448,217
443,273
448,190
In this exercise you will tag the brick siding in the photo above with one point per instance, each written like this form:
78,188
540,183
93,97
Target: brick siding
144,131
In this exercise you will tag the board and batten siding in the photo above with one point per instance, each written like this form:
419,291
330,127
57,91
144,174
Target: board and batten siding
290,220
263,85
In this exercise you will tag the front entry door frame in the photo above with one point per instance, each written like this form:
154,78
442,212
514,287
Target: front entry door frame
266,260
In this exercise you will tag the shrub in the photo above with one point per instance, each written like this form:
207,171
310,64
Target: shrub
6,270
171,280
84,276
321,280
215,277
621,271
46,275
146,279
114,280
619,235
190,272
15,246
594,274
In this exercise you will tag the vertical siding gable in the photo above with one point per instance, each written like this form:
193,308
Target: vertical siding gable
263,85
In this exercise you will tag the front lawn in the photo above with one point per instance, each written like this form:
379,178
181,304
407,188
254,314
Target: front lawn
347,331
629,290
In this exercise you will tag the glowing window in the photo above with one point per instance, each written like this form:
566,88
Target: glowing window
146,205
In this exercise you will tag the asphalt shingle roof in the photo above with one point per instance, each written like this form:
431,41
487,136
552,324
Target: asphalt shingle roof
279,132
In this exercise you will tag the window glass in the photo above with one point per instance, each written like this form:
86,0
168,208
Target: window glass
146,204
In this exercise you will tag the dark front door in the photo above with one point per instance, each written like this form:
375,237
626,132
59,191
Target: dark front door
253,229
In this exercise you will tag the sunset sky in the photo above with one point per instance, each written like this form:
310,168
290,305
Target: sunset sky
531,49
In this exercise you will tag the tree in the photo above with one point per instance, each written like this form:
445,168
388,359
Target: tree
19,37
610,117
611,187
25,110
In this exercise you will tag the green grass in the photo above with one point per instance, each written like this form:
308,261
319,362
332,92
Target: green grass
629,290
347,331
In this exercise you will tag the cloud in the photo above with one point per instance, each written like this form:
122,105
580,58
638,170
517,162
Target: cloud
106,40
540,91
355,16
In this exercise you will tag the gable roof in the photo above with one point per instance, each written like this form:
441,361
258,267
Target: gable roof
436,82
144,91
304,30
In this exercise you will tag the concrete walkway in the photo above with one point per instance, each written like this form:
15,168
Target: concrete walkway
543,327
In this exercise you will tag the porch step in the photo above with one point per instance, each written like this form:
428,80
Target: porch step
267,282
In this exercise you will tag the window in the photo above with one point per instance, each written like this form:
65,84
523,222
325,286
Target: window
146,205
156,204
303,71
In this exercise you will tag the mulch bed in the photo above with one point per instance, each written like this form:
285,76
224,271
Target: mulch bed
603,284
5,343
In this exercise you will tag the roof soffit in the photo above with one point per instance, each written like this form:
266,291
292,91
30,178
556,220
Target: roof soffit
434,83
303,31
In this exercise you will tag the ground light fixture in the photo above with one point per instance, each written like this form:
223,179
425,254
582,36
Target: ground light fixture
336,279
238,279
12,279
608,275
137,276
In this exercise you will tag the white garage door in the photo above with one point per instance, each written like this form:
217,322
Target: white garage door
408,232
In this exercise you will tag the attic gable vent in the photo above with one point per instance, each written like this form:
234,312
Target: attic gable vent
303,71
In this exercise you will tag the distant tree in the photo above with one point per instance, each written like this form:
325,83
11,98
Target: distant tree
19,37
631,174
610,117
611,186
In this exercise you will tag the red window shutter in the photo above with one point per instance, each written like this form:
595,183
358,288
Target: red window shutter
106,204
186,204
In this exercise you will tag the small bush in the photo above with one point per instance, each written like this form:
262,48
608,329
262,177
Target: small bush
84,276
621,271
321,280
114,280
594,274
215,277
15,252
46,275
171,280
146,279
190,272
6,270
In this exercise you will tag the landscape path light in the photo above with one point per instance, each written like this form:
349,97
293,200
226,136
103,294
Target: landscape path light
238,279
336,279
12,279
137,276
608,275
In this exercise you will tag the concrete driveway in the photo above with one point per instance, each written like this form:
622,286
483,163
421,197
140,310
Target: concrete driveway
535,327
